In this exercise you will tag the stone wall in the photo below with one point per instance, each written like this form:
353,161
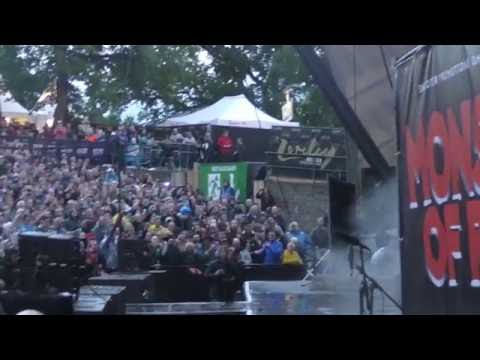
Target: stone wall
301,200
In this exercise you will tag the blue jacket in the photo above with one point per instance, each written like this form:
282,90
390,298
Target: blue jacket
109,250
227,193
304,242
273,253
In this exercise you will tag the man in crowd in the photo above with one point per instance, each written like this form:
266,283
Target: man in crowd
319,236
60,132
278,218
225,275
189,139
228,192
303,241
176,137
225,146
239,153
272,250
266,198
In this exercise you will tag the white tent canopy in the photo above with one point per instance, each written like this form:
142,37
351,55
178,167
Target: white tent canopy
44,116
10,108
235,111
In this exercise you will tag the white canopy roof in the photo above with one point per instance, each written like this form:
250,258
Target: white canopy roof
235,111
43,115
10,108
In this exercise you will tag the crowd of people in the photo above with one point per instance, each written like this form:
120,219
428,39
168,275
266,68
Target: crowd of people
83,131
177,226
175,148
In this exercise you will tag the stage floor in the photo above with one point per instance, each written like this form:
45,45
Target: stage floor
274,298
287,298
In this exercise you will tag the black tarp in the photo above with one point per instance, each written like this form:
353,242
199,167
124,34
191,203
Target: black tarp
438,115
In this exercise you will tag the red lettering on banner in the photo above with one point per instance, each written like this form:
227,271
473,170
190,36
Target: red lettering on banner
473,216
416,167
433,230
460,149
453,228
443,156
438,138
476,145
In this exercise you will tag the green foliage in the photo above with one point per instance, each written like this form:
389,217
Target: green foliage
164,79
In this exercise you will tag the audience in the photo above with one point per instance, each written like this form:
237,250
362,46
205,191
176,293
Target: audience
179,226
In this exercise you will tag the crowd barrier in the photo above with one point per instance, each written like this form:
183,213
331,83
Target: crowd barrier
160,155
177,284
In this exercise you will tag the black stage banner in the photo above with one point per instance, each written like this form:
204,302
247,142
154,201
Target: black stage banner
98,153
438,118
321,148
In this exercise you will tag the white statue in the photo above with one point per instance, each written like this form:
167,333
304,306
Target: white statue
287,108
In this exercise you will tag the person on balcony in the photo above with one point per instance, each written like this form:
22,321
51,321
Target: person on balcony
60,132
225,146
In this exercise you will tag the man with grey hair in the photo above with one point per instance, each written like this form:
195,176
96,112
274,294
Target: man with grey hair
248,204
319,235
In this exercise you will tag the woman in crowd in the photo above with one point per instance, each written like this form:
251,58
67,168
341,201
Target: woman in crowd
290,256
266,198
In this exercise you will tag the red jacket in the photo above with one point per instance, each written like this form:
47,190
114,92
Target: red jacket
91,252
60,133
225,145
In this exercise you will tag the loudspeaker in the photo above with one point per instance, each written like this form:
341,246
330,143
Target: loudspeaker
59,248
135,284
30,244
60,304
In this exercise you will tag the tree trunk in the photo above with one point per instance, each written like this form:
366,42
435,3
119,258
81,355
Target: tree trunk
61,112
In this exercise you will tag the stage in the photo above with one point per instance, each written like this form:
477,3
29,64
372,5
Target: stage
275,298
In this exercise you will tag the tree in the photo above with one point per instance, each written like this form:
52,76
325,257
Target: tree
269,71
164,79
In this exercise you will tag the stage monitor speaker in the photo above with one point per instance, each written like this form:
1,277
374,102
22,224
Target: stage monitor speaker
60,304
30,244
59,248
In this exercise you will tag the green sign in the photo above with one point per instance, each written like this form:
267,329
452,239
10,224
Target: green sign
212,177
